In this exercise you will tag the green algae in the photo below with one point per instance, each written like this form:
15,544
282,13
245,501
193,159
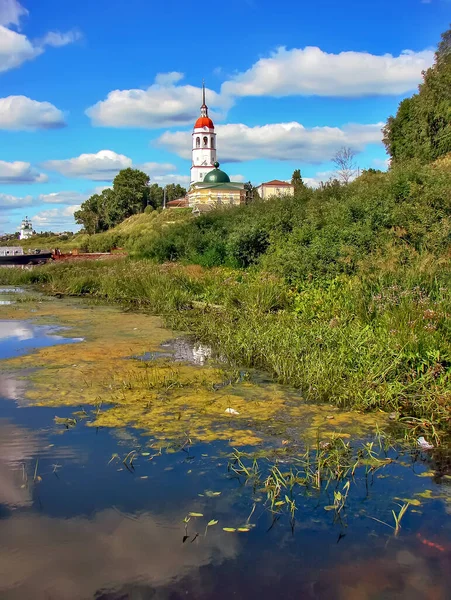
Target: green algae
168,401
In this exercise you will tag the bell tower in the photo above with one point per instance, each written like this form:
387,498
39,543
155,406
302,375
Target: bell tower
204,144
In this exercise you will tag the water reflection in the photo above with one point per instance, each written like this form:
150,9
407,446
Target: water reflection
11,388
17,446
72,559
20,330
16,337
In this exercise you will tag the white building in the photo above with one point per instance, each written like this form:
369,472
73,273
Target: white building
204,144
210,187
26,229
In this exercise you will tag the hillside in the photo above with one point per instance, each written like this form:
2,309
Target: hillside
126,234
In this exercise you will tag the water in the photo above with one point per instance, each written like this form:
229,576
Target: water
77,523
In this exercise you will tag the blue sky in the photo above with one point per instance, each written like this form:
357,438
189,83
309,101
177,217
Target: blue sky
90,87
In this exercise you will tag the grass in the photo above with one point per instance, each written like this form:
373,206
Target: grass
371,343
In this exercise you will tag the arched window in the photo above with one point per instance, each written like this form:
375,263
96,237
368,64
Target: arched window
198,142
205,141
212,142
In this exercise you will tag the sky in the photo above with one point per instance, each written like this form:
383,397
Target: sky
89,87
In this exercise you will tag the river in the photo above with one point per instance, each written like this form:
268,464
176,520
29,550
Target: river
134,464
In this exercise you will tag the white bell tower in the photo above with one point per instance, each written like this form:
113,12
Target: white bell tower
204,144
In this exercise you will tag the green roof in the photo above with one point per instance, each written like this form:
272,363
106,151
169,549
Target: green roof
216,176
215,186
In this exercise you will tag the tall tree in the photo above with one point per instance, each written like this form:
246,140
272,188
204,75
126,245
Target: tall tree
344,160
131,195
296,180
422,125
93,213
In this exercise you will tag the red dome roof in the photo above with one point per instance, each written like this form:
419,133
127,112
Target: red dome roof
204,122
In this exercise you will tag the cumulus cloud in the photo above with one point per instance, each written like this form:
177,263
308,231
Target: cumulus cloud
20,172
64,197
11,12
311,71
102,166
56,219
16,48
163,104
278,141
8,202
22,113
155,168
163,173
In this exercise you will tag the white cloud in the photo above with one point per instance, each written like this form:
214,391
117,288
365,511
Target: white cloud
22,113
238,178
56,39
64,197
163,173
103,166
155,168
55,219
162,180
16,48
20,172
311,71
278,141
11,11
8,202
163,104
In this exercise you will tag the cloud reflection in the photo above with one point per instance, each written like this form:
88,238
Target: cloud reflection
73,559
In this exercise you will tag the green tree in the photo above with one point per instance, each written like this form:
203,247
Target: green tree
93,213
422,126
156,195
174,191
131,195
296,180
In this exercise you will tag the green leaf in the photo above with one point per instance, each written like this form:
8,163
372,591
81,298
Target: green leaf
212,522
231,529
193,514
330,507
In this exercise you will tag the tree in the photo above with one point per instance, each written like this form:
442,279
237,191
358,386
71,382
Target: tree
345,163
131,195
251,192
296,180
174,191
421,127
156,195
93,213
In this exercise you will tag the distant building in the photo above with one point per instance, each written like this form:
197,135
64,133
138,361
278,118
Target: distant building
26,229
216,190
210,187
178,203
275,188
204,144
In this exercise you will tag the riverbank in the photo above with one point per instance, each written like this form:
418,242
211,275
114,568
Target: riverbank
374,342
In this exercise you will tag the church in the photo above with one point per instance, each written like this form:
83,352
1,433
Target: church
210,187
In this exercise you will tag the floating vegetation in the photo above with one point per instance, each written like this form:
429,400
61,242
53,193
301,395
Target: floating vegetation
169,401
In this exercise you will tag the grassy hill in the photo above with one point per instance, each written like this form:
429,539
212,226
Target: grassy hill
126,234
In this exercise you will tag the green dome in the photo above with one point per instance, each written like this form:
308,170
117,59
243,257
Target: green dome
216,176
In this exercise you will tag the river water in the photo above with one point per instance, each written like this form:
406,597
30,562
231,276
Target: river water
133,467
